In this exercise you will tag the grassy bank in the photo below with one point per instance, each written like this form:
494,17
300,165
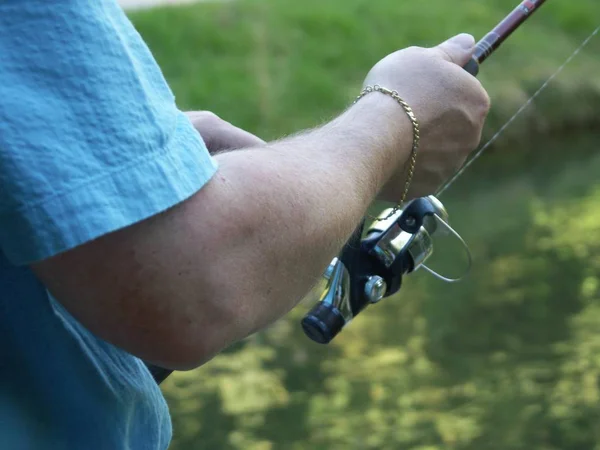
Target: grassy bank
277,66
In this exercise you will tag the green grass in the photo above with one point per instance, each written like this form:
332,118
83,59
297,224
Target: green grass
277,66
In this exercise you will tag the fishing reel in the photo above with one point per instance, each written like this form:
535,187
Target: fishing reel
371,268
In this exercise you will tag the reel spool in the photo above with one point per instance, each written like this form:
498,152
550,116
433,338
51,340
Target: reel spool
370,269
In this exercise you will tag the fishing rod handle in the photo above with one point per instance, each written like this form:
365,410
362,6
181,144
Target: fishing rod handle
472,67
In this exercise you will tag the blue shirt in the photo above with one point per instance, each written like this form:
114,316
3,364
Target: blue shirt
91,141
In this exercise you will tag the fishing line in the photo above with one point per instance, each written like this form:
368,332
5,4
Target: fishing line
501,131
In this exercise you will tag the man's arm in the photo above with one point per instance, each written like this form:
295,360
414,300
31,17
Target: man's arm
177,288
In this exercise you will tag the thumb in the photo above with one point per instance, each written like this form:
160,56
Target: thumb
457,49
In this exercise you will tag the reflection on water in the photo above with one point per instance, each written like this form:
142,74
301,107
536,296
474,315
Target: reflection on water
507,359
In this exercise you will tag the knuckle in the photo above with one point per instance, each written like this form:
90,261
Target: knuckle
211,117
414,51
204,119
475,139
444,54
486,102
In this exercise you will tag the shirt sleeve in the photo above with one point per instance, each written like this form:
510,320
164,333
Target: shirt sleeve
91,139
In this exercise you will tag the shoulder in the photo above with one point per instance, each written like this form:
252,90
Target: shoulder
91,139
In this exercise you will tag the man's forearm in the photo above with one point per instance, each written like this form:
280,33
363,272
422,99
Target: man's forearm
302,198
241,252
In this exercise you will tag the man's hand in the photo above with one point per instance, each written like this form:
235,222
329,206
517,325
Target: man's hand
449,103
219,135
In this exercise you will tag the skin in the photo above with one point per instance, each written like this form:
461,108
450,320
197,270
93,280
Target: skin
181,286
219,135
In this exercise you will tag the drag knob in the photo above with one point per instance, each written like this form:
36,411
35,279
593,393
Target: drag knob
323,323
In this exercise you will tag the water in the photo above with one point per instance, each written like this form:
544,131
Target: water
507,359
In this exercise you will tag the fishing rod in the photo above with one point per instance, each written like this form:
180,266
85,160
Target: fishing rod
400,241
494,39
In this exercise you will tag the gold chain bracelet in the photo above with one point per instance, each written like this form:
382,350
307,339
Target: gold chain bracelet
416,138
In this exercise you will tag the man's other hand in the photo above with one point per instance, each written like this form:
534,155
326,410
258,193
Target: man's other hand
219,135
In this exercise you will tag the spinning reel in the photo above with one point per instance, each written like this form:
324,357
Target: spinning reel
371,268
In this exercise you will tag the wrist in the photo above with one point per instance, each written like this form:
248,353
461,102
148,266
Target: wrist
384,130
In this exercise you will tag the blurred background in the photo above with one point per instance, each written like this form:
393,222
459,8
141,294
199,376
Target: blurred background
509,358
